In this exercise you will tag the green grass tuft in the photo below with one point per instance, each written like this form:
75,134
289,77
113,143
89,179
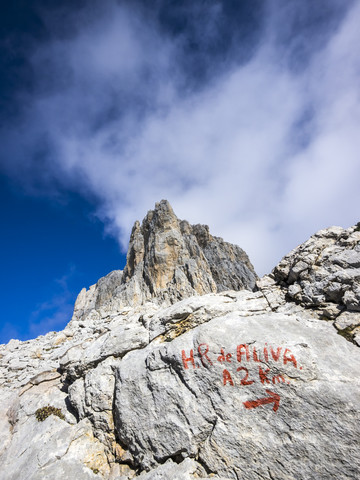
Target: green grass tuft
42,413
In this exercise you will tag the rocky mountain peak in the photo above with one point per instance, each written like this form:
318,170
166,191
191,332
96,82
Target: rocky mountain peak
168,260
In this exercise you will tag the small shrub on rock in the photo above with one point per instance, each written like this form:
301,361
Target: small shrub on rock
44,412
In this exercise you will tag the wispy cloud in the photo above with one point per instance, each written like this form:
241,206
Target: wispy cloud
56,312
262,144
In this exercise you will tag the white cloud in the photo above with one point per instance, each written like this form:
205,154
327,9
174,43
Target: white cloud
263,153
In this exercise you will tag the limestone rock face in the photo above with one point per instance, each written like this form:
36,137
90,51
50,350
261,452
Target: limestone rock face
168,260
324,273
225,383
248,394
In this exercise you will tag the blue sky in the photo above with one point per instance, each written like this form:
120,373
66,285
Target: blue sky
50,249
244,115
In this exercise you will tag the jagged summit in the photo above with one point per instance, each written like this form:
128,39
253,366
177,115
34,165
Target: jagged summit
172,259
168,260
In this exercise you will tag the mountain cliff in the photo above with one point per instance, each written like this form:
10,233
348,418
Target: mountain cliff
168,260
186,365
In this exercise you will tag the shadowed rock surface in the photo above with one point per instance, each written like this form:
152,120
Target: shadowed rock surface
173,370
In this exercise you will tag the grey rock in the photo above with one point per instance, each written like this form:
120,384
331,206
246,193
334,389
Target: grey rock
172,471
122,339
206,419
347,320
229,264
168,260
324,272
181,367
45,377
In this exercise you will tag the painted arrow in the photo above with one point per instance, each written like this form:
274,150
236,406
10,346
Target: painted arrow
272,398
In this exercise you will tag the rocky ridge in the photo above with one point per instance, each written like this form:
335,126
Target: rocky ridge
185,366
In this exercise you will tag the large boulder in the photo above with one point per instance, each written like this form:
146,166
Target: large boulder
250,393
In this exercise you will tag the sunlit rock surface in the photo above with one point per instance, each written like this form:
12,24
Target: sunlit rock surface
181,367
168,260
324,273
